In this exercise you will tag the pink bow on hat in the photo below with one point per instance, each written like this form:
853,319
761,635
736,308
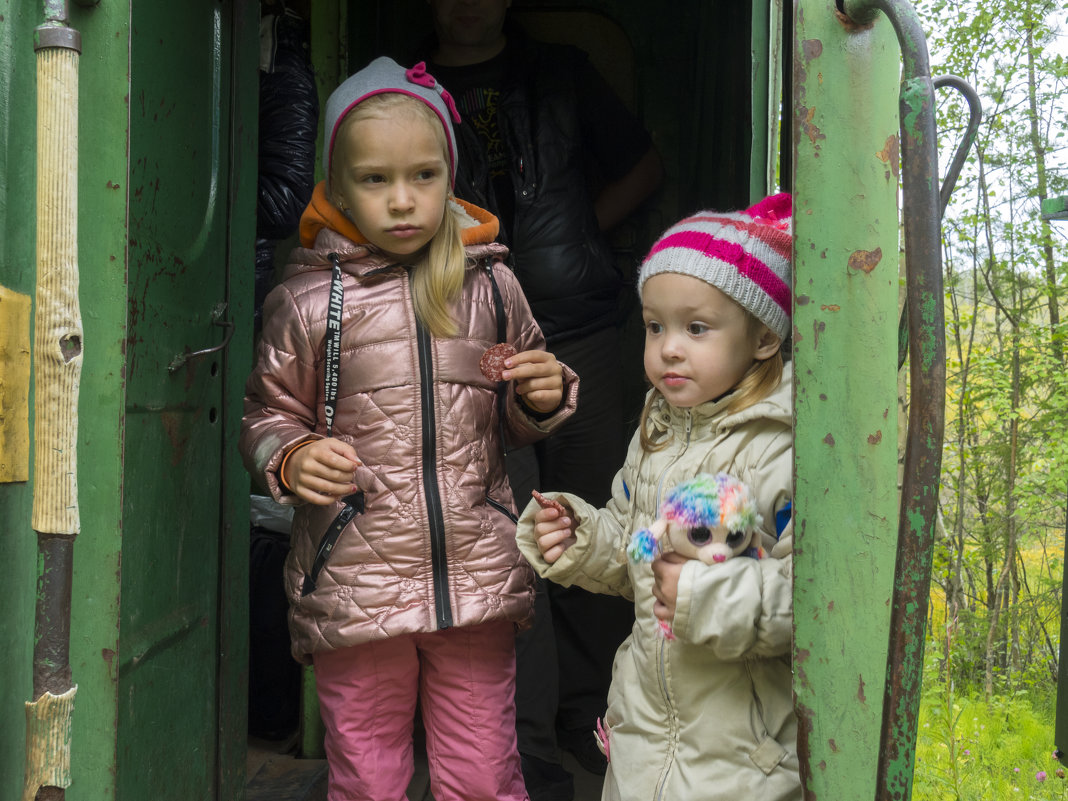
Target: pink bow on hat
419,75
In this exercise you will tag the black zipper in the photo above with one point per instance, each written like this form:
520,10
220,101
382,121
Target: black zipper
435,516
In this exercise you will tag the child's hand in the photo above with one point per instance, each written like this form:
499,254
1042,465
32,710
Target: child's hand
552,530
539,381
666,572
322,472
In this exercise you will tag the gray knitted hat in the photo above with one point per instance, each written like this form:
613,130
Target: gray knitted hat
746,255
381,76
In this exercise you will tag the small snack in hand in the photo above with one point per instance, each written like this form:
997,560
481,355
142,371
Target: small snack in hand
548,503
492,362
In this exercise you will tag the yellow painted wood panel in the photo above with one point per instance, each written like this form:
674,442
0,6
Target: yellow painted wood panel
14,386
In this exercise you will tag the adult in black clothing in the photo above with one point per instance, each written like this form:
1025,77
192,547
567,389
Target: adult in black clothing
549,148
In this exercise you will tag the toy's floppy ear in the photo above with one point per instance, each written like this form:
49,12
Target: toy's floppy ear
645,544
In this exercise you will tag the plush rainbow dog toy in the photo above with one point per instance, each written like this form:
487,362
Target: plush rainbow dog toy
709,517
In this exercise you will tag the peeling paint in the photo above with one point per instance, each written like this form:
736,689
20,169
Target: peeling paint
876,438
915,96
865,260
804,119
890,155
811,48
831,307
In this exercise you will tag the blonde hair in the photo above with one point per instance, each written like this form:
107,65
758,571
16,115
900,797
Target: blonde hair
758,382
438,276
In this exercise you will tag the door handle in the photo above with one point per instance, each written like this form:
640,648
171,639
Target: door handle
217,315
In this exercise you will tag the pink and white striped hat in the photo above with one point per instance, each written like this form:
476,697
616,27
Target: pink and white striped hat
744,254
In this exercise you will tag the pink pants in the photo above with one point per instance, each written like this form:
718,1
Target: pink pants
464,680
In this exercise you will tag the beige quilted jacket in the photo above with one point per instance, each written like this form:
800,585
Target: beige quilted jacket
710,714
435,546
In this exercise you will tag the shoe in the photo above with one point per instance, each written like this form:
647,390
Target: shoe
582,745
546,781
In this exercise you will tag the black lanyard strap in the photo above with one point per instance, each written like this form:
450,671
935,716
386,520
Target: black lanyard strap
332,365
354,504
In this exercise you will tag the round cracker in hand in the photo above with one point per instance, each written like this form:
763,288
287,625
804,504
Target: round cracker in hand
548,503
492,362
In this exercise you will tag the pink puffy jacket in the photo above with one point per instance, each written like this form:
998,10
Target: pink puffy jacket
435,545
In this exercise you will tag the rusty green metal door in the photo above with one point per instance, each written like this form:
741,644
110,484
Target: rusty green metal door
166,180
180,641
166,184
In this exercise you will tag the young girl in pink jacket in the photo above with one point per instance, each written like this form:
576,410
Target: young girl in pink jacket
369,411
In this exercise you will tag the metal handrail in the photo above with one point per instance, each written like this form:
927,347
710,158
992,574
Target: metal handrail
975,116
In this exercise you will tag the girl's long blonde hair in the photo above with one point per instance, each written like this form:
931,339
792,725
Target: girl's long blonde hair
438,275
758,382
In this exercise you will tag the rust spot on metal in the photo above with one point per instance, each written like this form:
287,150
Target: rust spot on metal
860,691
830,606
829,439
811,48
802,300
823,396
804,119
831,307
865,260
818,327
172,426
890,155
109,657
804,751
876,438
833,745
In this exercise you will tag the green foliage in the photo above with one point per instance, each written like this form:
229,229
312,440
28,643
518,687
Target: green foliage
999,557
970,749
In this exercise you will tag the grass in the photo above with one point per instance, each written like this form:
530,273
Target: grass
968,749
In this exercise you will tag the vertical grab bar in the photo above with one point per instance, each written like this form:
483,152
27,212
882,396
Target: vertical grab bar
57,356
927,381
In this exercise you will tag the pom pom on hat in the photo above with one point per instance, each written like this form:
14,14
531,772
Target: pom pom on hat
381,76
744,254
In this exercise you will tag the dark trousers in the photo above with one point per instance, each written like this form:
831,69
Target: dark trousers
564,662
273,673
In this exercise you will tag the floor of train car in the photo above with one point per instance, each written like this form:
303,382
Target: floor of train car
276,774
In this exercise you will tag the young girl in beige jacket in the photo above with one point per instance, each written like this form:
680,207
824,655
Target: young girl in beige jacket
708,712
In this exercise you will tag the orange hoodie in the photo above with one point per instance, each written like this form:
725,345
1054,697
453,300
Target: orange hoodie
321,213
